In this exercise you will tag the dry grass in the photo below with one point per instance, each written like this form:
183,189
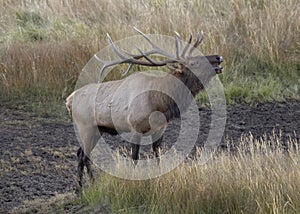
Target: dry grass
261,177
45,43
258,176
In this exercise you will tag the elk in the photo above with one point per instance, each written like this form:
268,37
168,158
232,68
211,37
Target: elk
93,106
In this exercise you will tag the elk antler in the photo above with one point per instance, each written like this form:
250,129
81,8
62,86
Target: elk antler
134,59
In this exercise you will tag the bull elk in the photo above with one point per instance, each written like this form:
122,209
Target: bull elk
93,106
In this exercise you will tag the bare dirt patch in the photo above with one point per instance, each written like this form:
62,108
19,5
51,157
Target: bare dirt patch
38,155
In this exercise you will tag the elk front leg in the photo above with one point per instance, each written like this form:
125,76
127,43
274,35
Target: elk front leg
156,144
135,145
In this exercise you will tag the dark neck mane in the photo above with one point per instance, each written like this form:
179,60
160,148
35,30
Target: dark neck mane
189,79
165,103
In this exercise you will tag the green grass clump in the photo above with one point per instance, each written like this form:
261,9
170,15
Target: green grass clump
261,177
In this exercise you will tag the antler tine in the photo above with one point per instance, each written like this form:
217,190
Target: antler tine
179,37
106,64
110,63
115,48
177,48
200,37
155,49
178,42
144,35
133,58
128,69
196,44
153,62
186,46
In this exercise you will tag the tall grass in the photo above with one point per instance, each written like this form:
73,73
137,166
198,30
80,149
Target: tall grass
45,43
260,177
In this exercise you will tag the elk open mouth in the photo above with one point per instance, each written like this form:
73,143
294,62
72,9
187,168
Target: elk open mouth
218,69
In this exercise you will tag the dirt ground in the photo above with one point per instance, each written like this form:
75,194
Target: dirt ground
38,155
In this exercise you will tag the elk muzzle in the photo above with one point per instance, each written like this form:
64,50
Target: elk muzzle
215,61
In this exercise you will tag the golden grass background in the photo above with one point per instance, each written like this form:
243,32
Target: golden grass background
45,43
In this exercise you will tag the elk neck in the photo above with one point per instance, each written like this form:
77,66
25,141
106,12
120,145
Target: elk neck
189,80
177,97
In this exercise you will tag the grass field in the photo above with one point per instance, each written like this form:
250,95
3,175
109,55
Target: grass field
261,177
46,43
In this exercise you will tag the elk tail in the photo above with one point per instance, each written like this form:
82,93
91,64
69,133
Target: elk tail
69,102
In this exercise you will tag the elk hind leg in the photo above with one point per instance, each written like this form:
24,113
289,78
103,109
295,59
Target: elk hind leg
89,136
88,164
80,166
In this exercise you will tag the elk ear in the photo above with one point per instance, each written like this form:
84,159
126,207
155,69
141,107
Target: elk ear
177,67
